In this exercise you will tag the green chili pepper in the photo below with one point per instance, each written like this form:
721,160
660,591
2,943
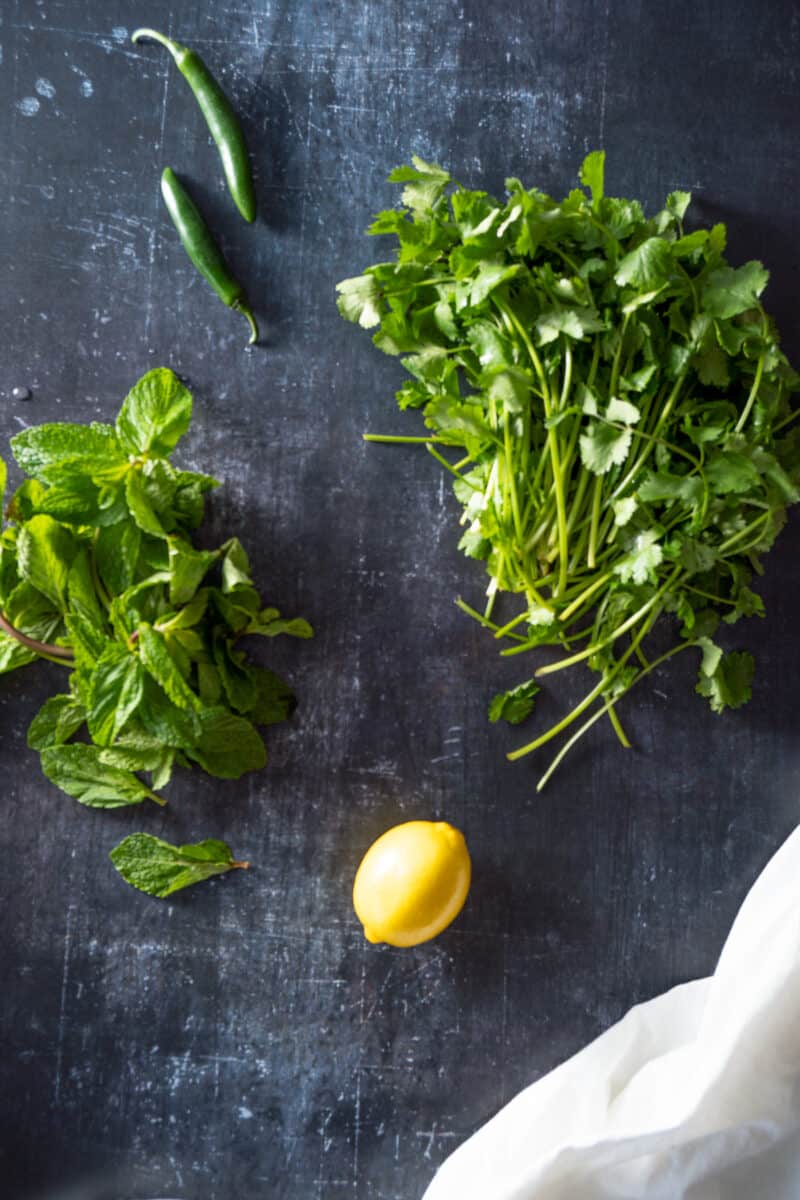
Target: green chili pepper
220,117
202,249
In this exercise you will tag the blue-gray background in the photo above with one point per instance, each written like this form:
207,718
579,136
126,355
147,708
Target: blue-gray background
244,1039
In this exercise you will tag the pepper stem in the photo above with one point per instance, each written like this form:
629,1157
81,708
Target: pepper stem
175,48
245,311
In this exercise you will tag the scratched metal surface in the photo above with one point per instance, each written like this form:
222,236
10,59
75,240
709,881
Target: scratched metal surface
244,1040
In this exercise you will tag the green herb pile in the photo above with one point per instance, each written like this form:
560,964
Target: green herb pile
622,408
99,574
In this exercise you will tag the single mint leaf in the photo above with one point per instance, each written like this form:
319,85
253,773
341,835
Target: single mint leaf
235,675
56,721
94,450
159,663
187,568
593,174
728,685
159,869
79,771
45,550
88,641
13,654
140,507
235,567
155,414
115,692
117,552
275,700
228,746
359,300
732,290
514,705
81,590
646,267
294,627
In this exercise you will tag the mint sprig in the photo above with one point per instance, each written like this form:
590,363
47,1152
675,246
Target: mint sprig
98,572
622,413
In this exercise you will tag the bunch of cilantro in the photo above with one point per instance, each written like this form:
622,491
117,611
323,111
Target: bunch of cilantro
98,573
622,411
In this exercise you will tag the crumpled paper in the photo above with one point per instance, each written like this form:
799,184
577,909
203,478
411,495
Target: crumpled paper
694,1095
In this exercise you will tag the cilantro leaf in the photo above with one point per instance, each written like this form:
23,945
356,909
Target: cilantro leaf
360,300
592,174
728,684
159,869
732,290
646,267
515,704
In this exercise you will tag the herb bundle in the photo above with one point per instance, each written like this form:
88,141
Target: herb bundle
99,574
623,413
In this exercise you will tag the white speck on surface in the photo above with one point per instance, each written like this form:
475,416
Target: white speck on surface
45,88
28,106
245,1114
87,89
119,33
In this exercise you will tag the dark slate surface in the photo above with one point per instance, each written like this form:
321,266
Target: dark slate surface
245,1040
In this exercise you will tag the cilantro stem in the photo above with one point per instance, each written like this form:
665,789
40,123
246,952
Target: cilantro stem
482,620
615,721
596,691
580,600
609,707
726,545
552,443
58,654
740,424
447,466
597,497
610,638
393,440
512,624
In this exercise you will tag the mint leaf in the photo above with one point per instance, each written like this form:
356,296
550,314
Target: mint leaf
187,568
275,700
515,704
56,721
115,693
45,551
79,771
93,450
140,506
159,869
155,414
228,745
159,663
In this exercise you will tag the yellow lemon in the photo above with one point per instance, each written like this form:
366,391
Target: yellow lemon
412,883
